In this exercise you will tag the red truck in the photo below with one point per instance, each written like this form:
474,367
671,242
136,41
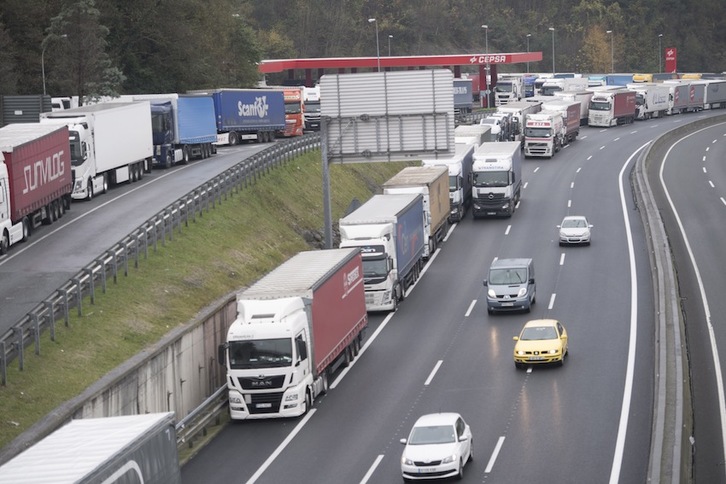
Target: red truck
293,328
35,179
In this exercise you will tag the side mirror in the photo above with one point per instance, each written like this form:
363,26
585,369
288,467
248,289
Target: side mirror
403,441
221,349
515,338
531,280
484,282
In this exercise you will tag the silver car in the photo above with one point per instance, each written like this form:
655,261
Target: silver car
575,229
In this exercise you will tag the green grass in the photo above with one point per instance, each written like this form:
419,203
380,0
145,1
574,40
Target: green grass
226,249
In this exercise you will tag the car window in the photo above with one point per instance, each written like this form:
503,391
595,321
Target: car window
538,333
460,427
435,434
560,329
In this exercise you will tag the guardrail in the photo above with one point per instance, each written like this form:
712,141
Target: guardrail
159,229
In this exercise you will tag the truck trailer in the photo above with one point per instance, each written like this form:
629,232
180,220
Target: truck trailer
111,143
389,232
611,108
519,112
247,114
119,450
651,99
432,182
543,134
570,112
496,179
685,96
583,97
474,134
459,167
564,84
292,327
35,179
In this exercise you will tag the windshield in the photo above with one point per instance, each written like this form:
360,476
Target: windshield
573,224
491,178
453,183
312,107
503,87
508,276
262,353
538,333
438,434
491,121
537,132
550,90
639,99
375,267
76,148
599,106
292,108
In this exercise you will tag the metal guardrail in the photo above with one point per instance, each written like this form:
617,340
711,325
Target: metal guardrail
199,418
159,229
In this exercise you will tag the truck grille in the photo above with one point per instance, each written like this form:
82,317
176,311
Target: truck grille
262,383
265,402
537,148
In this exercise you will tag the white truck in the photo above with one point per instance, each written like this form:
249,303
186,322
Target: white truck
583,97
432,183
389,232
509,89
543,134
293,327
459,167
570,112
311,114
563,84
519,112
651,99
126,449
611,108
475,134
496,179
111,143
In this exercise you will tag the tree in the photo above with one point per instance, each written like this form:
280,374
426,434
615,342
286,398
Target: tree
8,74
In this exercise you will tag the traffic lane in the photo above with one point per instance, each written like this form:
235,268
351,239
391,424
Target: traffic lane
688,178
31,271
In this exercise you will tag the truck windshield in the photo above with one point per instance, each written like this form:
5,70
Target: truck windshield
76,148
503,87
639,99
312,107
537,133
599,106
375,267
491,179
292,108
508,276
453,183
261,353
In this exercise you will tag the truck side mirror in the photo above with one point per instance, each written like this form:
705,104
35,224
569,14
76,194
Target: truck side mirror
485,282
221,349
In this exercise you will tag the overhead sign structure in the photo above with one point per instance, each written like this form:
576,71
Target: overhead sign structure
387,116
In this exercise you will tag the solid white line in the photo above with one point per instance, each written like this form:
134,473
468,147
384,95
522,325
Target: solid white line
493,458
471,308
562,259
371,469
433,372
450,231
630,368
552,301
506,232
281,447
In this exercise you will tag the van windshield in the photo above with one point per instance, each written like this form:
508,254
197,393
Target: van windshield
508,276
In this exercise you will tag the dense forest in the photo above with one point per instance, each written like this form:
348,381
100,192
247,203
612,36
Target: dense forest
102,47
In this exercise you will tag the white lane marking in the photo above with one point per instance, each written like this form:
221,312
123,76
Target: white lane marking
583,137
569,203
471,308
506,232
433,372
493,458
529,370
617,139
281,447
589,157
711,183
708,148
633,132
714,141
552,301
371,469
525,185
704,158
578,170
536,170
572,185
723,201
449,232
516,206
704,170
630,369
602,147
562,259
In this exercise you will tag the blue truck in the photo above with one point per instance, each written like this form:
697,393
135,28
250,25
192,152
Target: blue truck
389,232
247,114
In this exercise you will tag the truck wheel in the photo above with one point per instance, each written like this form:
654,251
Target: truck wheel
105,184
27,228
89,190
4,243
326,383
168,160
185,155
308,402
233,140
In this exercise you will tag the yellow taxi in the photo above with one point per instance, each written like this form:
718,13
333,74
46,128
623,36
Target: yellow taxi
541,341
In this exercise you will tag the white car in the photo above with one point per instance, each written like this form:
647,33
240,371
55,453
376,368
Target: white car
575,229
439,446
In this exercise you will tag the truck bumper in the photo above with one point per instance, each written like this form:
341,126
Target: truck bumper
380,300
485,208
260,405
538,149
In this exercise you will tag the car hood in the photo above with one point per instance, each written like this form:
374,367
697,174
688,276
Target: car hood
428,453
574,232
538,345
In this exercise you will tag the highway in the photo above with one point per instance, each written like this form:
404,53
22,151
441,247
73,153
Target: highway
587,421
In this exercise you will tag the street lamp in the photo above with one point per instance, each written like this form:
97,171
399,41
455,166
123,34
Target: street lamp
612,57
552,29
660,53
486,73
486,38
528,36
378,50
390,36
45,42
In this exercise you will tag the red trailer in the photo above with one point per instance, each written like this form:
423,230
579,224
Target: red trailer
35,178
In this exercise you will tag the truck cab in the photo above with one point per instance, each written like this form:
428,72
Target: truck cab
311,104
543,134
496,179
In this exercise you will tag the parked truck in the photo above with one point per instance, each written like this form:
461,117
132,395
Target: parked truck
496,179
570,112
294,112
685,96
311,109
519,112
463,96
714,93
543,134
126,449
651,99
111,143
389,231
509,89
35,179
247,114
611,108
475,134
292,327
432,183
183,126
564,84
583,97
459,169
23,108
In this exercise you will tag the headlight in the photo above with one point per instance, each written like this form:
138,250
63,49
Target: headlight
406,461
553,352
492,294
235,400
291,397
520,353
522,292
448,459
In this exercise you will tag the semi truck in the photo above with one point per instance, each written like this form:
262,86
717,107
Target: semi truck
463,96
459,168
247,114
311,110
126,449
292,327
509,89
389,232
651,99
294,112
111,143
563,84
432,182
519,112
570,112
35,179
583,97
714,93
496,179
611,108
685,96
183,126
543,134
23,108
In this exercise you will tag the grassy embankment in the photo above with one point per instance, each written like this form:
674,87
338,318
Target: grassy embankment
228,248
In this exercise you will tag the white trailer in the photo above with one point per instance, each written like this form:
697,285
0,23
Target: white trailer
564,84
651,99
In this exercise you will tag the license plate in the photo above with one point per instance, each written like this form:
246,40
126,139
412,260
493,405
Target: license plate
427,470
536,358
508,304
263,405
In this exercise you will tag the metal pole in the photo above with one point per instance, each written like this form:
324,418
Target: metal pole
552,29
389,44
327,213
42,64
528,36
378,49
660,53
486,72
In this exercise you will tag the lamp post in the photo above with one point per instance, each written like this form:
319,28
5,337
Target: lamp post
528,36
378,50
552,29
42,56
612,56
390,36
660,53
486,51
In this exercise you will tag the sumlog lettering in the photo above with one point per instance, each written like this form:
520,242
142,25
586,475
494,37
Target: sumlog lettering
43,171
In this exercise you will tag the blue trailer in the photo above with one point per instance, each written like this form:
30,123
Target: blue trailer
618,79
247,114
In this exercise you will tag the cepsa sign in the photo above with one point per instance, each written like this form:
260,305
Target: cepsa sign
489,59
